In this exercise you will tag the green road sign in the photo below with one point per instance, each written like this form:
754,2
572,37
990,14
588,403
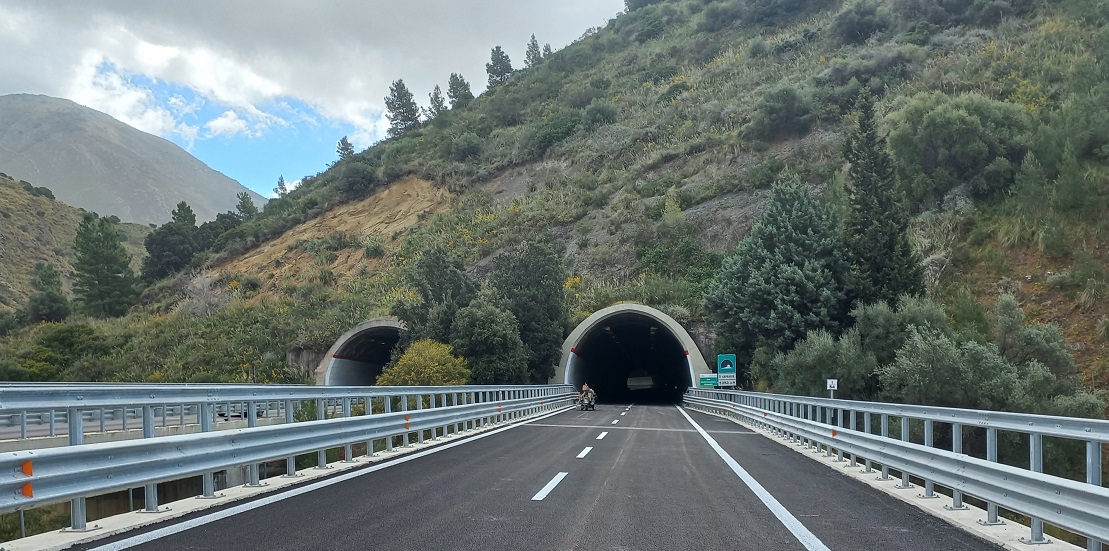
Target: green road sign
725,369
706,381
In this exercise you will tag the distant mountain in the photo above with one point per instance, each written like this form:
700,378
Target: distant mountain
92,161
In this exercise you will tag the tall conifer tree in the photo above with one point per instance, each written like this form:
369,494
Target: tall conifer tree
437,105
403,113
105,283
786,278
499,67
534,55
458,91
876,230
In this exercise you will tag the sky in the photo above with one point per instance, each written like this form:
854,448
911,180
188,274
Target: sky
259,90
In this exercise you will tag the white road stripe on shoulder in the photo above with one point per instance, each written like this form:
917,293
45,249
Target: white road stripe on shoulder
602,435
585,452
807,538
550,486
232,511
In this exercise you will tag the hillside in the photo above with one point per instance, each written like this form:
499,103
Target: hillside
645,151
34,228
95,162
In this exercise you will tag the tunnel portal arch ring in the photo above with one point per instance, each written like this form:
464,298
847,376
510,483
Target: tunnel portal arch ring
324,370
564,373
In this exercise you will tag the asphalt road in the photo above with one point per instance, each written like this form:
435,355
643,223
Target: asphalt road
653,482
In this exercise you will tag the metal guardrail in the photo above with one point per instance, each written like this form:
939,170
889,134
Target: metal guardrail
1082,508
37,477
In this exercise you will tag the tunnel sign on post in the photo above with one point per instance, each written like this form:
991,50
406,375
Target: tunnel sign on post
725,369
706,381
833,386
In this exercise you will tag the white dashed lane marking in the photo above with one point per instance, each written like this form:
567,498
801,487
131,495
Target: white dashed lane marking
602,435
585,452
550,486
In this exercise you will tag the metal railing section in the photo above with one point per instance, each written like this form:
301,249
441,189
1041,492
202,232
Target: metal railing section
827,424
37,477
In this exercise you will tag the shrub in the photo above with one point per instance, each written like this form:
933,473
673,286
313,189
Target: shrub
358,178
553,130
781,112
938,142
599,113
858,22
719,16
466,146
426,363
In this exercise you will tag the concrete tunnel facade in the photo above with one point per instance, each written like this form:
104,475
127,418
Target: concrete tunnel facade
626,352
631,353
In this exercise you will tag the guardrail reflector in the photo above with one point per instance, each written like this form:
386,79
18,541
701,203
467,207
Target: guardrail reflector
27,490
834,433
498,408
27,468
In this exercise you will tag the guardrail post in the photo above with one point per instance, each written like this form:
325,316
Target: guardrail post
929,440
454,402
253,480
207,480
854,457
290,461
150,491
348,448
77,513
368,402
1036,465
419,406
404,407
957,447
23,425
905,485
434,430
1093,476
885,434
388,408
866,427
991,455
321,414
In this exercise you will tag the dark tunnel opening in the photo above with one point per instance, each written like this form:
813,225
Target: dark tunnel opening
362,357
631,357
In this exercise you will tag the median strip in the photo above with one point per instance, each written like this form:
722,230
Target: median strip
550,486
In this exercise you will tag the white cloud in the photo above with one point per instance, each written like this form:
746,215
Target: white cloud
227,124
97,85
337,57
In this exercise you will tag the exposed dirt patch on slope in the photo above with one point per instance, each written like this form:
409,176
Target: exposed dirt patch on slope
293,257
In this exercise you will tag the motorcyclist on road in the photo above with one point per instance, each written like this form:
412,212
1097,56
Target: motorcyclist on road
587,396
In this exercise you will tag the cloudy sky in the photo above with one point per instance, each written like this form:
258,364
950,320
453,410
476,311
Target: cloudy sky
262,89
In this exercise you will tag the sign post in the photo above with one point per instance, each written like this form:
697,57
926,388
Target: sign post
706,381
833,385
725,370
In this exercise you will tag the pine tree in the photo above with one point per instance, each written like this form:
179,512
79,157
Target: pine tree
788,277
458,91
437,105
47,302
547,50
246,207
172,246
499,67
281,190
104,281
533,56
531,277
344,149
403,113
876,229
442,288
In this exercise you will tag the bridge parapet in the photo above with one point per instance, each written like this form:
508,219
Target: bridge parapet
847,428
389,416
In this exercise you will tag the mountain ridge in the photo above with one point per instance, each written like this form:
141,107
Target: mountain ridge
93,161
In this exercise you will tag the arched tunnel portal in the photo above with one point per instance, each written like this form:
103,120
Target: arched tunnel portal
357,357
631,353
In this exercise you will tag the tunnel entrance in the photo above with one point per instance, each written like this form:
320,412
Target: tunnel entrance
358,357
631,353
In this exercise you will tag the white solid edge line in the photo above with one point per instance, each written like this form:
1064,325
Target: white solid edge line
585,452
602,435
616,421
232,511
807,538
550,486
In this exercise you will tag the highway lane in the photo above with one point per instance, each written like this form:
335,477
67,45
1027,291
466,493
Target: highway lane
652,482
